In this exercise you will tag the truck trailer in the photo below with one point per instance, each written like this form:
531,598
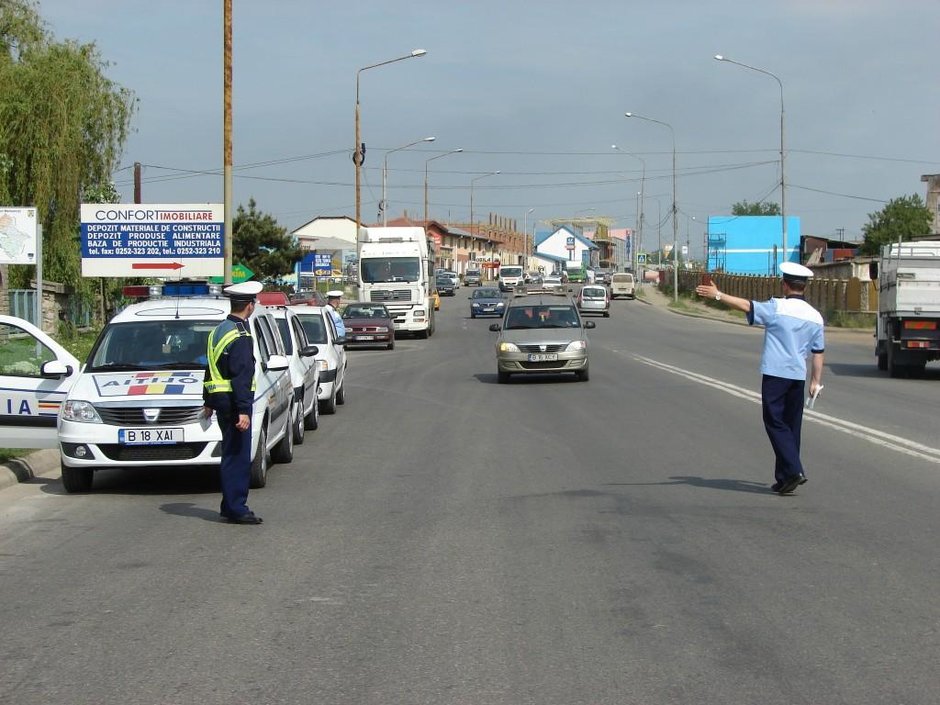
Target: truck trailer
908,327
396,267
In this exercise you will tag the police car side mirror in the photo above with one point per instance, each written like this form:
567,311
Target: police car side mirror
309,351
276,363
341,341
55,369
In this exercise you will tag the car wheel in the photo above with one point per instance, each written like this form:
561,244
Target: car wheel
77,479
502,377
328,406
391,344
341,395
472,315
299,425
583,375
312,420
259,466
283,452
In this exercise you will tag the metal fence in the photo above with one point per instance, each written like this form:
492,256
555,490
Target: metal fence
74,310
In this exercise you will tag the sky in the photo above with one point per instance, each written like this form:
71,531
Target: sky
534,89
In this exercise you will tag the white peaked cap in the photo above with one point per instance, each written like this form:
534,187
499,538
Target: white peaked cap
246,291
793,270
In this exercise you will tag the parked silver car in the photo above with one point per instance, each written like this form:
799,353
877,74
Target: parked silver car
539,335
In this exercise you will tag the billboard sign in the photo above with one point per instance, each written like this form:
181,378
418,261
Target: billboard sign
152,240
18,239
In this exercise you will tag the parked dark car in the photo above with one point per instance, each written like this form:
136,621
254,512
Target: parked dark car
369,324
445,285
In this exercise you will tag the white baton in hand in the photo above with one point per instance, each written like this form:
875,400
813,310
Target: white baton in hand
811,401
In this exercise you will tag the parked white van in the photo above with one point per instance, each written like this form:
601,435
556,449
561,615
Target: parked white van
622,284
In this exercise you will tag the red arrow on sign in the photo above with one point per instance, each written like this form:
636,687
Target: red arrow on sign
157,265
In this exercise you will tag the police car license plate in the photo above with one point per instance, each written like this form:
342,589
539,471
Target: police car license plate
543,357
149,436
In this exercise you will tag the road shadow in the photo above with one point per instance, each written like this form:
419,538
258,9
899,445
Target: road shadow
871,370
145,481
717,483
188,509
528,378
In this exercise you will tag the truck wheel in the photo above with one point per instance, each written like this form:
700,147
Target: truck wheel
77,479
894,369
259,466
882,361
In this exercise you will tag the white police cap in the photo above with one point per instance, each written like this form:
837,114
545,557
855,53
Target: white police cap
792,270
246,291
334,294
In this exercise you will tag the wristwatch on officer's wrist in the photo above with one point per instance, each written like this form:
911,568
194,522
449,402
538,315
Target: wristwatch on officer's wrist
717,295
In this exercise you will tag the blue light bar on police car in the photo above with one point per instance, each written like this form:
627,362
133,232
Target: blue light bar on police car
186,289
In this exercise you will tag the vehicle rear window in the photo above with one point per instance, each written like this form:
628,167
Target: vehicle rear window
314,327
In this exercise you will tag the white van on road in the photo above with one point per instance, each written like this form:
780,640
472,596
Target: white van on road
622,284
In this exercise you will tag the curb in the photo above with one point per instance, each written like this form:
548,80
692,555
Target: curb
35,464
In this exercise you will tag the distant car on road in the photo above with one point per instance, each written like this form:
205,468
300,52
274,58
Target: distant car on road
622,284
554,284
486,301
541,335
453,276
445,285
593,298
473,277
369,324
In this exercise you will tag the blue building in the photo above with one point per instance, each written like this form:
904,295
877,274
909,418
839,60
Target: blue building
750,244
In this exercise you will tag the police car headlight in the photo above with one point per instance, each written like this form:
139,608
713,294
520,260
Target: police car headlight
508,347
81,411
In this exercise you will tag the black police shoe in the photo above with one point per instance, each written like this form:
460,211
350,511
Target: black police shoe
249,518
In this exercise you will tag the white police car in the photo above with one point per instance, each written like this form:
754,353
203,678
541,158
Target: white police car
138,399
35,376
331,355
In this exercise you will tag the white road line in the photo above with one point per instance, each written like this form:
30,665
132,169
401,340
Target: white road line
872,435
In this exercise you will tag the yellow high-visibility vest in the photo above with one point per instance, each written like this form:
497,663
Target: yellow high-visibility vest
216,383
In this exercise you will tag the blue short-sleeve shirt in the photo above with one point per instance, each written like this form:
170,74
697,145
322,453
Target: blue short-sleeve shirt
792,331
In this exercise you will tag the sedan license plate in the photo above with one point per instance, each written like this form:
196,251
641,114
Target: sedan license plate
365,337
149,436
543,357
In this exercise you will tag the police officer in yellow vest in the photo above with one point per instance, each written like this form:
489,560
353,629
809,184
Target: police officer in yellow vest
229,391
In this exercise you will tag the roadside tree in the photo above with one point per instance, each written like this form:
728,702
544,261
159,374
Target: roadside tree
902,219
759,208
263,245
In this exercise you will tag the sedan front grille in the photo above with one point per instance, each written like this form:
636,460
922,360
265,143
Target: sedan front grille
178,451
553,348
134,415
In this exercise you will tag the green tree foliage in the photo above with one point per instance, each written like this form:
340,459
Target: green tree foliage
263,245
902,219
63,125
745,208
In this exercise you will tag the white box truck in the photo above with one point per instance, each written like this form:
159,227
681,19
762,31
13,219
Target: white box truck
908,327
396,267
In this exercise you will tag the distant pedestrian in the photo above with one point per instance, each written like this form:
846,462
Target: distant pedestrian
229,391
332,305
793,331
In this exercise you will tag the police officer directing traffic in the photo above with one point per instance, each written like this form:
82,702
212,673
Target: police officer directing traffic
229,391
793,330
332,304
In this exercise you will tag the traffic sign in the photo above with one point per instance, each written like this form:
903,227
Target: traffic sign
240,273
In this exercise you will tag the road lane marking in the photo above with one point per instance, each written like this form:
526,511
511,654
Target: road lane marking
872,435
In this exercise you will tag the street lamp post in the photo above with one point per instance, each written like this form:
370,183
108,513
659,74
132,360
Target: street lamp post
453,151
675,231
385,174
640,217
525,239
783,180
358,152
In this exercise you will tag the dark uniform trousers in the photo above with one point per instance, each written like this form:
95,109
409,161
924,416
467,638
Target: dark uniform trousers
782,403
234,471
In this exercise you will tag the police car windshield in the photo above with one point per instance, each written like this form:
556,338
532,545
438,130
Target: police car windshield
152,345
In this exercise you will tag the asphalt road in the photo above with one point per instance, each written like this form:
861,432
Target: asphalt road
446,539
